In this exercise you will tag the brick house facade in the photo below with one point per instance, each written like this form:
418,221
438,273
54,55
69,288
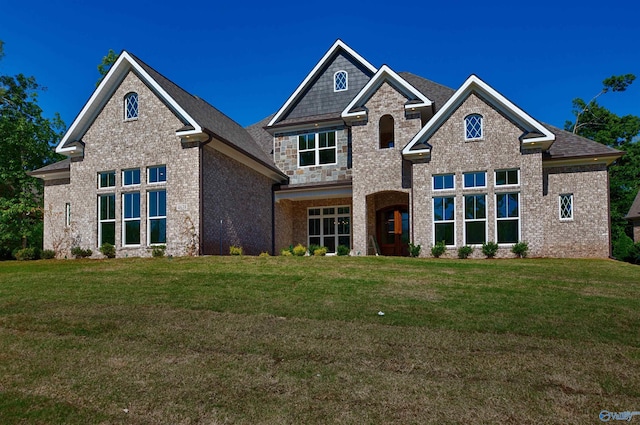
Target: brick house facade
358,156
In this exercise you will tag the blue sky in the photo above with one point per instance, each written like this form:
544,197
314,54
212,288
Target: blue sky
247,58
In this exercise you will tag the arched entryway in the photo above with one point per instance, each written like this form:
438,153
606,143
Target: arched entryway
388,222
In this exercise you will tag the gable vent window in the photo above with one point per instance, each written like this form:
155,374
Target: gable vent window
473,127
386,132
340,81
131,106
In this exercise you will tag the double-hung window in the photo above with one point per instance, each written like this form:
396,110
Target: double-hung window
475,219
157,174
477,179
508,217
444,220
131,177
107,219
157,217
330,227
443,182
106,179
317,149
565,203
131,218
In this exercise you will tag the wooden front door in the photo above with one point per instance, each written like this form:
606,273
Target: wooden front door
393,231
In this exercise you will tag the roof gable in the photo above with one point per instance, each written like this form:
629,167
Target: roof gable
339,51
634,211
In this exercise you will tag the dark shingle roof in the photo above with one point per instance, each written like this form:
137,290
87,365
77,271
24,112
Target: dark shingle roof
63,165
568,145
261,136
437,93
634,211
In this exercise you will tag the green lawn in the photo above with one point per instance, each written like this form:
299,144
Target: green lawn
286,340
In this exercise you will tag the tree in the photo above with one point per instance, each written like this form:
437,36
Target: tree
27,139
597,123
106,64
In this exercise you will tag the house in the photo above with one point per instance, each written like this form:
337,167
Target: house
634,217
358,155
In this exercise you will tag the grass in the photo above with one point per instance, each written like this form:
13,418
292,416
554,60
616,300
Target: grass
261,340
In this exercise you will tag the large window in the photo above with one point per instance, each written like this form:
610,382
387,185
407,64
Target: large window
443,182
107,219
107,179
478,179
340,81
507,177
157,217
131,177
131,218
317,149
330,227
565,202
444,220
131,106
157,174
475,219
386,132
473,127
508,217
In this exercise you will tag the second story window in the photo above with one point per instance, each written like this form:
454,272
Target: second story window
443,182
157,174
340,81
386,131
317,149
107,179
473,127
131,177
131,106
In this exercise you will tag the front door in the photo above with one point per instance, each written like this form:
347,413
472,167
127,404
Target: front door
393,231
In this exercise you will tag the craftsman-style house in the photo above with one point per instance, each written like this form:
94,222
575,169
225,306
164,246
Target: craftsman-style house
358,156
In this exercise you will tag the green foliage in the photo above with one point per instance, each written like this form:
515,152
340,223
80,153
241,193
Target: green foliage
158,251
235,250
27,254
489,249
438,249
320,252
343,250
106,64
78,252
464,251
264,254
414,250
625,250
299,250
286,252
521,249
108,250
312,248
48,254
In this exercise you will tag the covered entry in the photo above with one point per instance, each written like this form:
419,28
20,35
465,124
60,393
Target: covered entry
388,221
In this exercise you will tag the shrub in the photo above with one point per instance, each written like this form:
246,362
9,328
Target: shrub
264,254
286,252
438,249
343,250
158,251
414,250
490,249
48,254
108,250
25,254
320,252
312,248
299,250
235,250
520,249
78,252
464,251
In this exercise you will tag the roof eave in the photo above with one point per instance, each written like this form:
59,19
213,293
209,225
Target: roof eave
606,159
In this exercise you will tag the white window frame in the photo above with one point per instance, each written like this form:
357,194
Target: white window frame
127,98
158,217
316,149
100,186
466,120
506,170
125,220
464,184
149,174
67,214
336,215
434,221
560,207
335,81
101,221
475,220
124,184
433,182
508,218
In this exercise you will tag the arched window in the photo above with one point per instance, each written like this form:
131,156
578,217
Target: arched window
473,127
131,106
340,81
386,132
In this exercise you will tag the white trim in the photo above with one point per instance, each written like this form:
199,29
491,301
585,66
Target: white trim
335,215
434,222
495,199
125,220
106,172
317,148
506,185
466,220
131,184
156,217
474,139
464,186
109,220
306,194
67,214
339,44
126,106
433,183
159,182
570,195
346,81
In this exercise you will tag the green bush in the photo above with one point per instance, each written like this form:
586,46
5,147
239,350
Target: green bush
312,248
158,251
521,249
286,252
264,254
25,254
48,254
108,250
464,251
414,250
320,252
235,250
490,249
78,252
343,250
438,249
299,250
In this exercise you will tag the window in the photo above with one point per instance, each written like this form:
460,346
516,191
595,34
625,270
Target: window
507,177
317,149
157,217
475,219
443,182
330,227
478,179
131,177
508,217
473,127
106,179
386,132
131,218
444,220
107,219
67,214
340,81
157,174
565,203
131,106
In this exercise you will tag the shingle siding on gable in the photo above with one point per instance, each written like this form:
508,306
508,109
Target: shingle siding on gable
320,97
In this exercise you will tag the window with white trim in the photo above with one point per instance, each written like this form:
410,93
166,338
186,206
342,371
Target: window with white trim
477,179
508,217
475,219
444,225
157,217
386,132
107,219
507,177
565,203
443,182
131,218
329,227
131,106
106,179
317,149
473,127
67,214
131,177
340,81
157,174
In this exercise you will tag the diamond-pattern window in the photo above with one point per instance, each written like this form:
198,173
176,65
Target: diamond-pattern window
131,106
566,207
340,81
473,127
